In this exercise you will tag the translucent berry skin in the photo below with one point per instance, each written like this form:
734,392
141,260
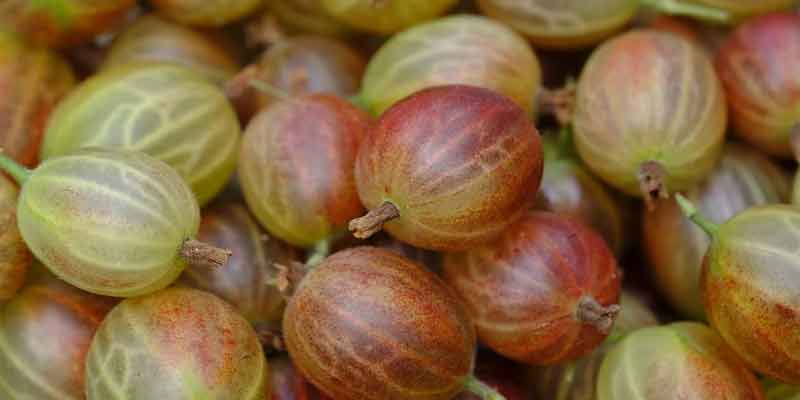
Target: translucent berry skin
45,334
307,16
758,65
684,360
296,167
675,246
109,222
462,49
166,111
368,324
154,39
563,24
385,16
747,8
460,163
246,282
649,96
63,23
33,79
14,255
750,289
206,13
177,343
523,290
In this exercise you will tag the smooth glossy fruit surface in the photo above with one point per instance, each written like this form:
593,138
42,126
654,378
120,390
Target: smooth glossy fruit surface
178,343
45,334
296,167
61,23
154,39
385,16
543,293
675,246
457,163
368,324
33,79
758,65
109,222
684,360
307,16
650,115
461,49
14,255
163,110
209,13
747,8
245,282
563,24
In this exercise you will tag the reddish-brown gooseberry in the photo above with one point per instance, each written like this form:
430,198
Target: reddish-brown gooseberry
448,168
544,292
14,255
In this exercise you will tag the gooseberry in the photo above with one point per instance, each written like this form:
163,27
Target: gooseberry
14,255
207,13
747,8
385,16
307,16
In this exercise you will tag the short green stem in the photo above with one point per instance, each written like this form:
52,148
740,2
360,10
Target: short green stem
482,390
319,252
691,212
684,9
268,89
13,168
359,101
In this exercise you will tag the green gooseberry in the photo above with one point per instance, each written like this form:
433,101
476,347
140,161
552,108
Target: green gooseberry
166,111
112,222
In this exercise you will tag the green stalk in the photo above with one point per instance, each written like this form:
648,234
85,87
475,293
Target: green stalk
482,390
359,101
320,251
268,89
691,212
13,168
683,9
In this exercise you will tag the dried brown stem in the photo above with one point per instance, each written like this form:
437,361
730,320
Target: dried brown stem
240,83
794,140
589,311
289,277
201,254
271,339
652,177
264,31
560,103
372,222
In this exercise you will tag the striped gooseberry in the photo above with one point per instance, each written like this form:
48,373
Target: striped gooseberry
369,324
545,292
65,22
750,286
166,111
758,65
385,16
296,167
461,49
683,360
154,39
178,343
448,168
206,13
650,114
307,16
15,259
675,247
45,334
110,222
33,79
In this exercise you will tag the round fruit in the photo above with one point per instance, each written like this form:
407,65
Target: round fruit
110,222
448,168
45,334
650,114
384,325
675,247
747,8
684,360
165,111
779,391
178,343
153,39
62,23
461,49
245,280
758,65
385,16
33,81
296,167
430,259
208,13
14,255
306,16
543,293
749,286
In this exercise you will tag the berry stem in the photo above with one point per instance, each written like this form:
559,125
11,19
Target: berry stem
204,255
679,8
13,168
268,89
482,390
651,183
691,212
320,251
372,222
589,311
359,101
